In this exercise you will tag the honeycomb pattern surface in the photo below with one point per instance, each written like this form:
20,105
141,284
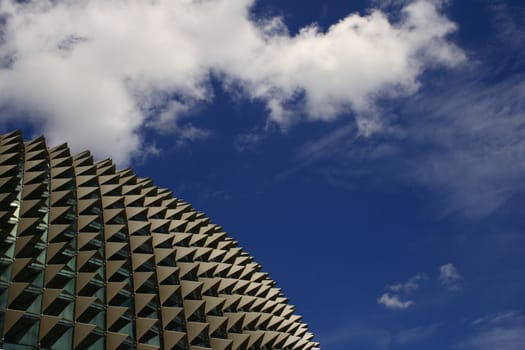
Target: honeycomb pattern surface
92,257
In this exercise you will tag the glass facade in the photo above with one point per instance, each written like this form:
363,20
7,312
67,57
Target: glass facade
95,258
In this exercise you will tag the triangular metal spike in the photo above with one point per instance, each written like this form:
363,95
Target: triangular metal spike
162,239
58,170
128,190
11,318
168,314
141,346
175,225
30,204
18,265
240,341
164,272
188,287
108,201
85,237
54,248
86,192
107,189
81,331
162,253
15,289
136,226
85,220
234,319
111,230
182,253
140,277
141,300
221,344
108,179
190,306
156,212
26,223
137,241
213,303
49,296
255,339
114,340
84,256
171,338
113,288
113,247
130,200
84,278
210,283
113,266
187,267
216,322
133,212
81,304
110,214
113,314
4,169
59,195
166,291
143,325
194,329
22,242
139,259
51,271
83,204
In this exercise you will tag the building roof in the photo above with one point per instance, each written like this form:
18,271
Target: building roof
95,257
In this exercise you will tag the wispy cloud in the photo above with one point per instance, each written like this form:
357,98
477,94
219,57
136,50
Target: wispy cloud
394,298
401,295
409,286
498,318
394,302
103,70
450,277
504,331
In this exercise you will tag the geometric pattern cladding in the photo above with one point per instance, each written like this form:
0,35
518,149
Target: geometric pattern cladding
95,258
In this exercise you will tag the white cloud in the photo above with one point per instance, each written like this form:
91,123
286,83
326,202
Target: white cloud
450,277
394,302
96,72
411,285
462,136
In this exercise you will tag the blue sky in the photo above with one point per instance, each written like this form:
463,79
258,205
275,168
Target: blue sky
372,163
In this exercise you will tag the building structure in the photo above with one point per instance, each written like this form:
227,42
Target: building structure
95,258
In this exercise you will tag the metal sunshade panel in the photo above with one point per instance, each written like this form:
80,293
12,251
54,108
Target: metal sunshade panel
95,258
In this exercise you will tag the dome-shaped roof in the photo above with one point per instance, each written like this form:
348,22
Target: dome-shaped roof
95,258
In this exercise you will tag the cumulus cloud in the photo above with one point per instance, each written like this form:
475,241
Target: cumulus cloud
98,72
450,277
394,302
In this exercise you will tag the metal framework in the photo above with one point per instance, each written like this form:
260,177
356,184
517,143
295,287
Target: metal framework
95,258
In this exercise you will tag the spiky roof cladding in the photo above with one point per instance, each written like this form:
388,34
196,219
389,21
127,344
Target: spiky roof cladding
94,258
